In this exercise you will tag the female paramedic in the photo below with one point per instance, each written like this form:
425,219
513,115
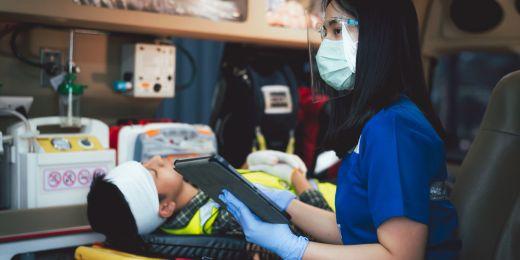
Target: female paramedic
391,200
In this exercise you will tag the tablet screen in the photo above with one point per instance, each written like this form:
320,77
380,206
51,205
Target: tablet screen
213,174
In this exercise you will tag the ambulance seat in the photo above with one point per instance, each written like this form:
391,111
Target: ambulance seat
486,192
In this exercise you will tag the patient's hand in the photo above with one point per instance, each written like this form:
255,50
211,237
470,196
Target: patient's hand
282,171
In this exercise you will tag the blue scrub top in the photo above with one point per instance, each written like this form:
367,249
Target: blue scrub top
389,174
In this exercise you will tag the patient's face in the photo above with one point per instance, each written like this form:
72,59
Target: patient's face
167,180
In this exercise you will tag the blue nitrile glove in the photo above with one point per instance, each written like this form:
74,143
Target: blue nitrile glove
282,198
277,238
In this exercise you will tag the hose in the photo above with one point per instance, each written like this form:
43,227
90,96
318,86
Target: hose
27,126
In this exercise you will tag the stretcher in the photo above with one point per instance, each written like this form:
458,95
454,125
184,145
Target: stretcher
163,246
67,227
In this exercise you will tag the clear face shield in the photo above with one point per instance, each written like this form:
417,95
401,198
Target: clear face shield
332,57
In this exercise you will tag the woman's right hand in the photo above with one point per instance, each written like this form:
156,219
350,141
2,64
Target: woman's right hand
277,238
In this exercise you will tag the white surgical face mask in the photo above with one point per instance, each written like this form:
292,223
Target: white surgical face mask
336,60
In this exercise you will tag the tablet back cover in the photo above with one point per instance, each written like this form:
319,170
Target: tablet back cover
213,174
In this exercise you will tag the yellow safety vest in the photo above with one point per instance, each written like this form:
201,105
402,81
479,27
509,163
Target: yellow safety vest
202,221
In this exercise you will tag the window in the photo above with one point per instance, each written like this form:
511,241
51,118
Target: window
461,88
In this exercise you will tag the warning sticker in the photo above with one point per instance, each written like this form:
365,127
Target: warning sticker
70,178
84,177
54,179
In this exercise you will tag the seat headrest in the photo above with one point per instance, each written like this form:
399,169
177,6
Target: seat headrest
504,106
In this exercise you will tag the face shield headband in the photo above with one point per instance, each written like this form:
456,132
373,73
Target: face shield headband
332,57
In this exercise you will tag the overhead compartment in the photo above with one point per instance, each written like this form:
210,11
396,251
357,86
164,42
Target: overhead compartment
248,26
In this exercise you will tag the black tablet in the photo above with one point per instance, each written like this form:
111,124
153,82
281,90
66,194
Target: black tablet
213,174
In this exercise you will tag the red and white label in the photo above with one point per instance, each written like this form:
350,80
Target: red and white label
84,177
70,178
54,179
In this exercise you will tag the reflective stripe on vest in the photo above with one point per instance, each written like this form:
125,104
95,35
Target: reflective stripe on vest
201,223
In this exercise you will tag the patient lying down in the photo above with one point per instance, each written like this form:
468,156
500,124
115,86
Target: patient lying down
136,199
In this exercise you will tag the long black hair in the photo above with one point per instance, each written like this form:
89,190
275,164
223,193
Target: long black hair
388,65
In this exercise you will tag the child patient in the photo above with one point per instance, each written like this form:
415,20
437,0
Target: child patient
136,199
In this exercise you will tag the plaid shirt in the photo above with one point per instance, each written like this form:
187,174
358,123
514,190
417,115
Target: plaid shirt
225,224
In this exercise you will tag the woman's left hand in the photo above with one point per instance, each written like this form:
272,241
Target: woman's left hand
282,198
277,238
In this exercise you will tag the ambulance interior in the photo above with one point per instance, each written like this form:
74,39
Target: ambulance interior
86,85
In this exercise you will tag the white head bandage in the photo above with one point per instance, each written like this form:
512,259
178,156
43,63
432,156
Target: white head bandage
137,185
